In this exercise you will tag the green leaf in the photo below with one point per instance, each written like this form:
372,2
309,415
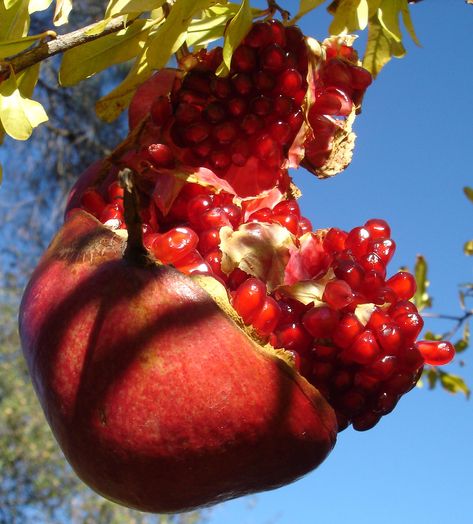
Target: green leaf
18,115
306,6
468,248
421,297
38,5
123,7
406,18
27,80
380,48
12,47
62,11
15,20
88,59
351,15
388,16
211,25
454,384
234,34
373,6
468,193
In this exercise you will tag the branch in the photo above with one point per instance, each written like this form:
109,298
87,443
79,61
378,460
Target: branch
60,44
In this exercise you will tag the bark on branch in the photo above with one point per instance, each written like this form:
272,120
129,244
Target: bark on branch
60,44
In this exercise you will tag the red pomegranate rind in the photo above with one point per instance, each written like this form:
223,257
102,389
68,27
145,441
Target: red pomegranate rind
158,400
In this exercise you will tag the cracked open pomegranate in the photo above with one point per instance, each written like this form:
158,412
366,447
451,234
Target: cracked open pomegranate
195,338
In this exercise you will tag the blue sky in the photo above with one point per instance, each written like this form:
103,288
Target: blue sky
412,159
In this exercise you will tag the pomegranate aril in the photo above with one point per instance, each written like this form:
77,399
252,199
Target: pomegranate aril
243,59
224,133
321,321
214,260
335,239
290,221
289,82
215,112
378,228
115,191
283,106
197,206
240,152
221,87
149,239
365,421
161,156
249,299
187,113
280,131
214,218
332,101
402,308
385,402
401,383
322,372
351,272
161,110
436,352
364,349
264,81
193,263
363,380
111,212
287,206
174,244
242,83
351,403
389,337
93,202
251,123
361,78
261,105
336,73
196,133
209,240
295,120
411,325
342,380
267,319
384,367
410,358
237,107
197,81
337,294
260,35
220,159
273,58
321,125
384,248
372,262
305,226
294,337
324,353
278,32
357,241
403,284
348,329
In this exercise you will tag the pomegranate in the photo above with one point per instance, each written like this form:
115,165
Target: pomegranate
196,339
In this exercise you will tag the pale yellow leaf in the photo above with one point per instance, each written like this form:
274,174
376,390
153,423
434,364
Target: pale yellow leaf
98,27
406,18
14,20
234,34
351,15
211,25
27,80
38,5
12,47
62,11
122,7
373,6
88,59
388,15
18,115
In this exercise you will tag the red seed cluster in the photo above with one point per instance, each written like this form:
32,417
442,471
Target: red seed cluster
356,344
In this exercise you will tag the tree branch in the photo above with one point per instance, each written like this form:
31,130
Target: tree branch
62,43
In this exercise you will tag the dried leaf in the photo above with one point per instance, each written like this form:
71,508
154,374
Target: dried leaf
468,193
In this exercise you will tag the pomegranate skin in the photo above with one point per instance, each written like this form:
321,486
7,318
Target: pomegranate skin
157,398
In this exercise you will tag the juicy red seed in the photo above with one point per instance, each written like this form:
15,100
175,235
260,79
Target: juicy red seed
347,330
294,337
361,78
240,152
334,241
278,32
203,149
372,262
209,240
410,325
214,260
149,239
290,221
337,294
221,87
93,202
291,311
365,421
242,84
295,120
266,148
289,82
401,308
237,106
283,106
401,383
260,35
115,191
305,226
186,96
111,212
384,367
214,218
294,37
321,125
389,338
161,110
236,278
273,58
249,299
215,112
187,113
197,81
403,284
373,282
357,241
161,155
332,101
378,228
342,380
224,133
262,215
351,402
280,131
411,358
193,263
378,319
251,123
196,133
436,352
324,353
386,402
264,81
197,206
220,159
321,321
365,381
336,73
322,371
243,59
267,319
286,207
351,272
384,248
364,349
175,244
261,105
233,213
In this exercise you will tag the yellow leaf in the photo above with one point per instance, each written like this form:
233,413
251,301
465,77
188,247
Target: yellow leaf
373,6
27,80
18,115
388,15
12,47
211,26
38,5
88,59
351,15
305,6
15,20
406,18
61,13
234,34
122,7
110,107
98,27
